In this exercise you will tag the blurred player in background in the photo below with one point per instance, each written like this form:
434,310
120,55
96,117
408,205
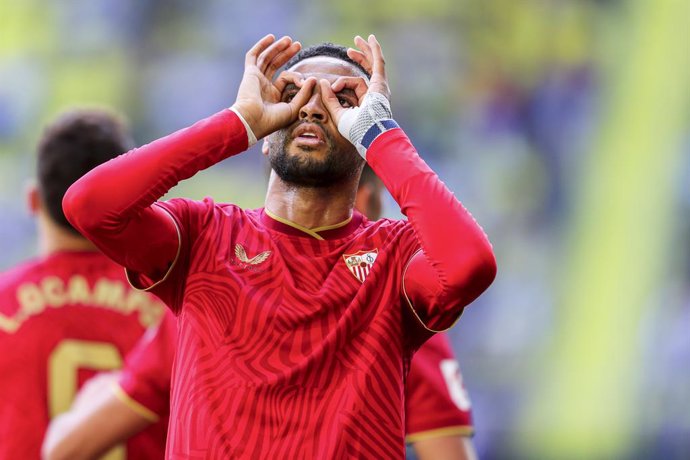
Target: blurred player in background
69,313
297,321
438,416
115,406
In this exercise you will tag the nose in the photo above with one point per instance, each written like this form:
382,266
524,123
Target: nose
314,109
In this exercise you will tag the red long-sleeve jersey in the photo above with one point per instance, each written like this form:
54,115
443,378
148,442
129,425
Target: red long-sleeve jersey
436,402
292,343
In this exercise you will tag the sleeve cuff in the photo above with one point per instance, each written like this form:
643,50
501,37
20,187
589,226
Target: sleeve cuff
251,138
466,431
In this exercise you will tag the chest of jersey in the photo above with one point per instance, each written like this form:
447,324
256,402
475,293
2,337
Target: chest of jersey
285,307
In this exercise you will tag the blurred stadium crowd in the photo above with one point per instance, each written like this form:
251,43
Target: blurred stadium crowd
520,105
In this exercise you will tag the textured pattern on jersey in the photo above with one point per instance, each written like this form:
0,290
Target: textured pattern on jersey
293,357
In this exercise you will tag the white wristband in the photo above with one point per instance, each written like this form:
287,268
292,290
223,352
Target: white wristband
251,138
362,125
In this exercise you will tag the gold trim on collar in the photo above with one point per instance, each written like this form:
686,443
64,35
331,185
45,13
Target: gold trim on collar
309,231
334,226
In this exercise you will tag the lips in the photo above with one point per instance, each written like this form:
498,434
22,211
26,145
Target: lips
309,133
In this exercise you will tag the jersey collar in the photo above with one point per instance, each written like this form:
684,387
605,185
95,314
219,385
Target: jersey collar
329,232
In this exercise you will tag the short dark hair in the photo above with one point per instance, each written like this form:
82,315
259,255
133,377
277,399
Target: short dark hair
324,49
74,143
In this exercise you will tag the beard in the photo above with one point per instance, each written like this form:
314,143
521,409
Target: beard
340,164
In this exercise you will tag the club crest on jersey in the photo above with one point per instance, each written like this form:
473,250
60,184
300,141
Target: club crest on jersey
361,262
241,255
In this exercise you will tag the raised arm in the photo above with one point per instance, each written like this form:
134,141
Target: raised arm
114,204
456,261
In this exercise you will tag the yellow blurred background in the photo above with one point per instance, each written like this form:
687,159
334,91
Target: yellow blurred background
563,125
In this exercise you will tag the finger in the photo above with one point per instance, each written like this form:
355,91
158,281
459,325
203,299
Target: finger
363,45
330,100
357,84
267,55
287,77
281,58
379,63
360,59
302,95
254,51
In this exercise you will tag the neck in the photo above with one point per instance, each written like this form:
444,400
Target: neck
310,207
54,238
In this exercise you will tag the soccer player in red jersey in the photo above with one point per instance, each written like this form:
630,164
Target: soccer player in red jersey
437,409
69,313
297,321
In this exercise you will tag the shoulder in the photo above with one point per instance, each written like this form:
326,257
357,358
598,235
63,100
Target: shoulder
10,282
10,279
384,225
394,233
185,208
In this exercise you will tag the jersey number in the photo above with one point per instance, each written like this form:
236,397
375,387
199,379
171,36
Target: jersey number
451,374
64,363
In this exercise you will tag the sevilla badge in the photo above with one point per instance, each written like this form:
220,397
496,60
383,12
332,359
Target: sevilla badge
361,262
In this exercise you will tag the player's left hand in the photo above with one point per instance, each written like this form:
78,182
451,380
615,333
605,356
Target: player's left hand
363,124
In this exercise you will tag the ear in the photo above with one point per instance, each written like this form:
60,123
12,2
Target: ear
264,146
362,198
33,198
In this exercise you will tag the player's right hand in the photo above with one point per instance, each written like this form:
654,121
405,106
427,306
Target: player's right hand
258,98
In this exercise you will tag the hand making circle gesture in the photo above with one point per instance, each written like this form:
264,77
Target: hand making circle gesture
258,97
370,57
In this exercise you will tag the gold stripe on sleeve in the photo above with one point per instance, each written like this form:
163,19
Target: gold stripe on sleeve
459,430
135,405
172,266
409,302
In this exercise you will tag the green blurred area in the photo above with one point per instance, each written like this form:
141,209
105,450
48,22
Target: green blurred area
620,242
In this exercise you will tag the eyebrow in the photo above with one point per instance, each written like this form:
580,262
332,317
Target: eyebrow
347,92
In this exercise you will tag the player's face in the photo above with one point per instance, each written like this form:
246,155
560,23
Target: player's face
311,152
